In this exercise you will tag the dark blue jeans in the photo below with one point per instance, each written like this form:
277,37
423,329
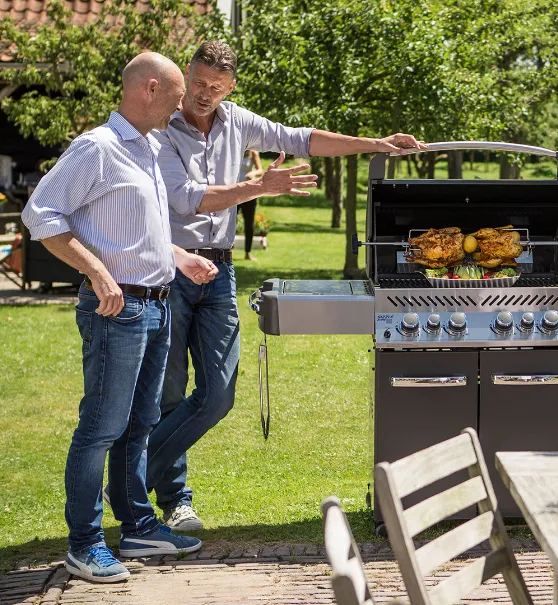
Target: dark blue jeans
205,321
124,361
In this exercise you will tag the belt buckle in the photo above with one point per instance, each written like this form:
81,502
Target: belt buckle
164,292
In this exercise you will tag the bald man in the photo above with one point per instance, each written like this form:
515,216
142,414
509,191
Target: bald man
103,210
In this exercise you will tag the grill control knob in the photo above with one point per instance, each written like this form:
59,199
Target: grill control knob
410,324
457,323
549,322
527,321
504,321
433,324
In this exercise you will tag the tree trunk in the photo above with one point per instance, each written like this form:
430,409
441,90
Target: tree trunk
507,169
430,165
337,210
351,270
328,169
455,164
409,166
392,165
316,168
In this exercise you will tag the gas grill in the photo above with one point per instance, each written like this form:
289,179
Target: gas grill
484,355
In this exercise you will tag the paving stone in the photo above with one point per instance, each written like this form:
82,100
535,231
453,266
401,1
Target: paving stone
267,552
283,551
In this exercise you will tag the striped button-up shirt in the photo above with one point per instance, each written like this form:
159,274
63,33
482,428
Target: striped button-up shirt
190,162
107,190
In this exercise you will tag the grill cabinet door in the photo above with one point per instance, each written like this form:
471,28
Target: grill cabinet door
411,418
519,413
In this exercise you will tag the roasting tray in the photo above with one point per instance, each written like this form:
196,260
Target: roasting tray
495,282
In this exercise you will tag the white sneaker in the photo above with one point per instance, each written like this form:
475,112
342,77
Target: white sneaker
182,518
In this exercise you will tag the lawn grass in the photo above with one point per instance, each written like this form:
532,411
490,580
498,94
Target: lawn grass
246,489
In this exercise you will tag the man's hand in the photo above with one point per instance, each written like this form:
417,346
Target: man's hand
197,268
277,181
400,143
111,300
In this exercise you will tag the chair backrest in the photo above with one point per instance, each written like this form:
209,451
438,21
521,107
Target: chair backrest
348,579
396,480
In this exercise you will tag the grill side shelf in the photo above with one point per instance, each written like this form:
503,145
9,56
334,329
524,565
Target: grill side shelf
315,307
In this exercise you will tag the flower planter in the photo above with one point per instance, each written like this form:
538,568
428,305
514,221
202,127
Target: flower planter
259,241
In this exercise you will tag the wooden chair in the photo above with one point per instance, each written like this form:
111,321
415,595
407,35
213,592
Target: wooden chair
348,579
396,480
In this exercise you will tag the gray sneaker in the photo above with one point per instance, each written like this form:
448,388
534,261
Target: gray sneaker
182,518
96,564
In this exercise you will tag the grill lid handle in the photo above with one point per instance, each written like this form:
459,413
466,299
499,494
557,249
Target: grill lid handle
493,145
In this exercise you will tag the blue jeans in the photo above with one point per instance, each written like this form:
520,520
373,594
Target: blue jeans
124,361
205,321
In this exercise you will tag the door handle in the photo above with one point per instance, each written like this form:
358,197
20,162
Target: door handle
534,379
430,381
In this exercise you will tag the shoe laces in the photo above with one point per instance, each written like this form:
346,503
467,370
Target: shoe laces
183,512
103,556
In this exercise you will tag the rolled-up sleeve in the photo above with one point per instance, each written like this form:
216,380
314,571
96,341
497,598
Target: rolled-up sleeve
265,135
64,189
184,195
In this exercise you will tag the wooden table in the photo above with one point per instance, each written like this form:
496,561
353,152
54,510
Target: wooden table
532,478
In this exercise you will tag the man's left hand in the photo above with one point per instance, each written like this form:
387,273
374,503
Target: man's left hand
400,143
197,268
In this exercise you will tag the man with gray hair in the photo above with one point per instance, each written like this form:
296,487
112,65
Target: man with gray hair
103,210
201,156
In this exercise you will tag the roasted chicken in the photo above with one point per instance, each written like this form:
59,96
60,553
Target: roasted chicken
497,246
437,248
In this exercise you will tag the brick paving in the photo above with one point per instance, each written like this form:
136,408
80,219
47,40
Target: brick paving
294,574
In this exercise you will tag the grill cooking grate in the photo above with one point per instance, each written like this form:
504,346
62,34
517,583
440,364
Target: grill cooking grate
405,283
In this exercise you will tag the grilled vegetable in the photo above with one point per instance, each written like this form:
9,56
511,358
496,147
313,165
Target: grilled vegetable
470,244
468,272
436,272
506,272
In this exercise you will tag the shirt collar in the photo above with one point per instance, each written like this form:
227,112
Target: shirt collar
222,115
121,125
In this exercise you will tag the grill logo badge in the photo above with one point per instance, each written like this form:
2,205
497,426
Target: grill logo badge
385,317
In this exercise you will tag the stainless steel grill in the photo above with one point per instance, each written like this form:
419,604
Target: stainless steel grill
482,341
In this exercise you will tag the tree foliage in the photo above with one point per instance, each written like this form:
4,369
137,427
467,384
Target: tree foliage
73,72
442,70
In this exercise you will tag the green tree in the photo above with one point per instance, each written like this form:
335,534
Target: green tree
371,67
72,72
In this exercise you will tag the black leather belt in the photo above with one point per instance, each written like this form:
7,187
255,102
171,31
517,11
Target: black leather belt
217,255
155,293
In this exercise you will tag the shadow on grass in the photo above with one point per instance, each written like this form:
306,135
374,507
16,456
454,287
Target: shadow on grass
226,539
234,537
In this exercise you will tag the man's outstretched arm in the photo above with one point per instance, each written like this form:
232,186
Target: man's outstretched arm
274,181
331,144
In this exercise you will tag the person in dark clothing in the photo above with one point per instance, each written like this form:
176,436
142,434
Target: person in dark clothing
251,168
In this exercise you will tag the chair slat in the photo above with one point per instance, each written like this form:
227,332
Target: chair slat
351,584
454,542
445,504
337,539
466,580
436,462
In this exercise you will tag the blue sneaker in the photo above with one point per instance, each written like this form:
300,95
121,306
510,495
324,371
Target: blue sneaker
163,541
96,564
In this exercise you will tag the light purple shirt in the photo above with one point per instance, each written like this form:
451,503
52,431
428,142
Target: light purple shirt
189,163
